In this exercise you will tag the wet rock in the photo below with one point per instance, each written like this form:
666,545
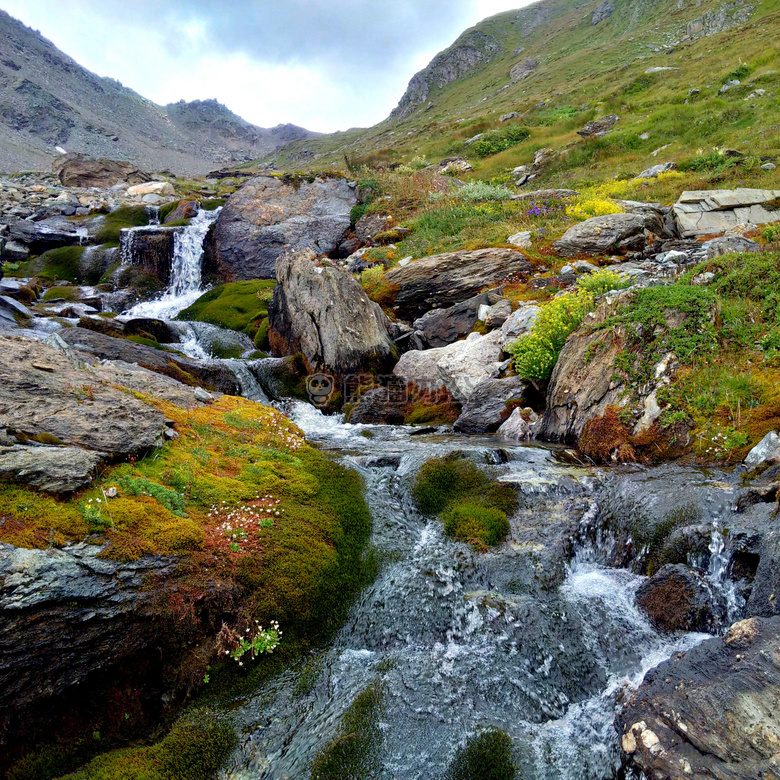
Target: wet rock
324,313
710,712
440,327
150,249
599,126
486,409
77,170
603,235
676,598
211,375
713,212
765,591
519,323
268,216
376,407
516,427
186,209
50,469
14,252
443,280
458,367
40,236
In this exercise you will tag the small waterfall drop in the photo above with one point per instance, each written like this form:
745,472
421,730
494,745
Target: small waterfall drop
717,576
185,275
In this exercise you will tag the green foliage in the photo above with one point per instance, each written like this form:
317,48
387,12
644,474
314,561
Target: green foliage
122,217
472,505
474,523
536,354
709,162
487,755
739,73
140,486
65,293
212,204
241,306
602,282
639,84
167,209
499,140
752,276
355,754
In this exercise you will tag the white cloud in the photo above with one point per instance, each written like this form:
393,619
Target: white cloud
323,65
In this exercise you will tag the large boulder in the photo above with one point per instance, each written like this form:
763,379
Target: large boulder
713,212
603,235
270,215
50,469
599,127
442,280
322,312
459,368
711,712
46,234
440,327
486,409
77,170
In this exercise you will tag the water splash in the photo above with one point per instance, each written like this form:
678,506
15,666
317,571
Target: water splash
185,278
717,576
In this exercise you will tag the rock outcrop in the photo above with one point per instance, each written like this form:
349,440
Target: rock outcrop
523,69
440,327
325,314
271,215
78,170
604,235
443,280
603,12
486,409
711,712
459,368
599,127
713,212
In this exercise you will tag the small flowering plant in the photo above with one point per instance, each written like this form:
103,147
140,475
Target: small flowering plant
255,641
234,528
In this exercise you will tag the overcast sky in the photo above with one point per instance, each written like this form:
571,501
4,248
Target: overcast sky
324,64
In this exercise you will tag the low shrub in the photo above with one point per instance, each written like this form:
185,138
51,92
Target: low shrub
476,524
499,140
602,282
536,354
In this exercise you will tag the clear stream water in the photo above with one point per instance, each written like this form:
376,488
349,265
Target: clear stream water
537,640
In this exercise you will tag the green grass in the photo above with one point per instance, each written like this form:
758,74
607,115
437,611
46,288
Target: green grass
240,306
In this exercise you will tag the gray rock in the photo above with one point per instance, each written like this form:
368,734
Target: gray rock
376,407
324,313
599,126
767,449
723,694
497,314
603,12
14,252
708,212
521,240
50,469
14,307
768,166
369,225
47,234
603,235
443,280
78,170
440,327
726,244
516,428
507,117
523,69
485,410
519,323
654,171
459,368
269,216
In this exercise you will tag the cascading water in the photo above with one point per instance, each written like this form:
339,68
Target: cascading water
458,640
185,274
717,577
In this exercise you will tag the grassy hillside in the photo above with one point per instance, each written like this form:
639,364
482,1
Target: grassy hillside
584,72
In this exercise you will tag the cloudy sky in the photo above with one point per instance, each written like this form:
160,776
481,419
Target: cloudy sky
324,64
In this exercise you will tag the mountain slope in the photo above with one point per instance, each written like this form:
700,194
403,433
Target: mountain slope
561,63
48,100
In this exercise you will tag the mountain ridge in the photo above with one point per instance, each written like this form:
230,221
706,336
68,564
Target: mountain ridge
48,100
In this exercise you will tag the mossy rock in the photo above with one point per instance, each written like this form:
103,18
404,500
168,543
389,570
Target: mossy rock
57,264
240,306
487,755
65,293
475,524
123,217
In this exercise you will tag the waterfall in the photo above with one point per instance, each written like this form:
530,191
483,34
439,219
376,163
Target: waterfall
717,576
185,275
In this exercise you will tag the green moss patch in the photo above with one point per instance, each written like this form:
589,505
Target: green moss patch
241,306
354,755
486,755
123,217
56,264
472,505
